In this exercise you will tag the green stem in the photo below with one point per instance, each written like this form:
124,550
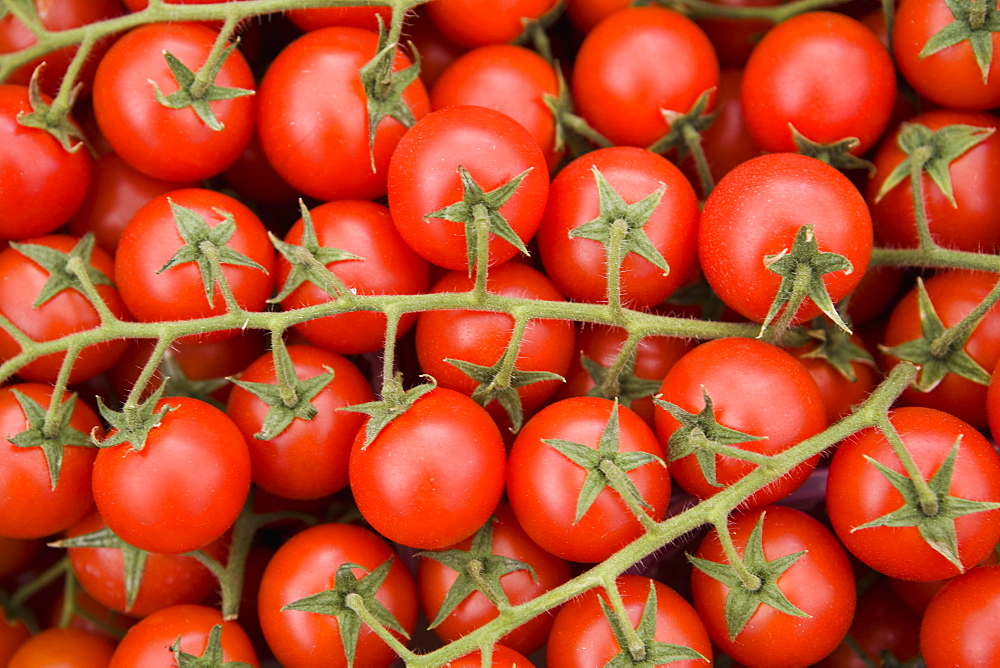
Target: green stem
800,288
284,370
702,9
620,481
78,268
918,159
960,330
206,74
481,222
693,141
497,595
636,647
927,498
389,381
355,602
510,354
623,361
148,370
750,580
53,415
977,14
68,88
212,253
615,257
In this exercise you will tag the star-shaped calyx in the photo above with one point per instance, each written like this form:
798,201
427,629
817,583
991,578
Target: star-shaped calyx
212,657
936,525
333,602
494,384
974,22
44,116
52,437
624,385
836,154
58,265
936,354
606,466
835,346
133,423
133,559
394,402
742,602
479,569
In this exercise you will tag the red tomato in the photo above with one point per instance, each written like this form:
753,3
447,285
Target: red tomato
544,485
819,583
13,634
578,265
170,144
582,637
386,266
502,657
313,123
26,280
755,388
472,23
755,213
798,76
960,627
184,488
324,17
306,565
482,337
405,482
951,77
41,184
424,177
308,458
620,84
435,580
66,648
858,492
152,238
840,393
150,643
29,507
735,39
973,222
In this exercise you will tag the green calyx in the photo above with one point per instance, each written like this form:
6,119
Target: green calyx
395,401
837,154
497,383
133,423
834,346
974,21
59,267
212,657
56,122
618,382
133,559
51,435
286,403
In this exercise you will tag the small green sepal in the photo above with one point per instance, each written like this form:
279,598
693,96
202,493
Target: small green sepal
837,154
132,425
212,657
133,559
57,264
52,443
978,31
394,403
490,388
42,117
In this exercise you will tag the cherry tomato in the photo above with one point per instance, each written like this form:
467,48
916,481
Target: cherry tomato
67,648
502,657
959,626
324,17
471,23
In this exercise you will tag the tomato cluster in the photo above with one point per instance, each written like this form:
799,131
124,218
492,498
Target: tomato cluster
520,333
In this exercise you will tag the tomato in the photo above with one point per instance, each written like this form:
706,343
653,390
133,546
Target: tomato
620,85
308,564
67,648
819,583
151,642
502,657
585,14
510,79
152,238
859,493
823,73
953,295
582,635
41,184
960,625
167,579
482,337
735,39
544,485
30,507
435,580
383,264
313,123
756,389
578,264
755,213
424,177
324,17
831,366
308,458
30,273
471,23
405,482
13,634
972,223
951,77
170,144
436,51
184,488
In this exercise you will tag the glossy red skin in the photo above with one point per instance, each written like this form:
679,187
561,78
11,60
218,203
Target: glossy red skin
974,223
798,74
388,266
423,178
820,583
66,648
582,637
167,579
151,497
482,337
876,294
840,394
147,644
857,493
738,373
312,120
951,77
653,358
307,564
954,295
509,539
510,79
170,144
57,15
41,184
151,239
324,17
756,211
66,313
31,508
502,657
12,636
471,23
406,481
960,625
116,192
543,484
619,82
309,458
579,266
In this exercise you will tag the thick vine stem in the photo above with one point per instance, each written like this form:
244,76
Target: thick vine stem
703,9
961,329
928,500
917,162
750,580
614,264
355,602
636,648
